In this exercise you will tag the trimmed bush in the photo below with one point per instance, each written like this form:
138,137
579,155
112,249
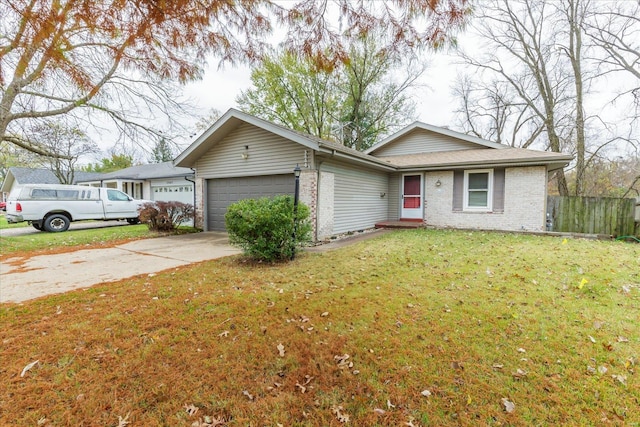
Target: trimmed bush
165,216
264,228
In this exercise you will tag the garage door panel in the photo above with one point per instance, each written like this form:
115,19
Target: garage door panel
225,191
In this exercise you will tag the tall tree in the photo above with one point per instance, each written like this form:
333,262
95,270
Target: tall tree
354,103
615,29
68,145
293,92
540,54
94,59
374,84
162,152
110,164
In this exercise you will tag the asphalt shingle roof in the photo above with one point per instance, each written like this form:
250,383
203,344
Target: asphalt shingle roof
474,157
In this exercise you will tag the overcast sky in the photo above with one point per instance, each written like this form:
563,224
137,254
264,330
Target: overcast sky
219,89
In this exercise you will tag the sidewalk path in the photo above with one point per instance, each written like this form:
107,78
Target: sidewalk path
21,280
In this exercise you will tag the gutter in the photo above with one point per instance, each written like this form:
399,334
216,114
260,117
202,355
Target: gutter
333,152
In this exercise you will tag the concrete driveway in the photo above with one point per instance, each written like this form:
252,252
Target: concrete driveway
25,279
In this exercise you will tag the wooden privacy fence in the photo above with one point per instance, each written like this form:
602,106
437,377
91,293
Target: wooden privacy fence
592,215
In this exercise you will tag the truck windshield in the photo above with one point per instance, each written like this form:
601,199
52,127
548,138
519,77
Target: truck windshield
117,196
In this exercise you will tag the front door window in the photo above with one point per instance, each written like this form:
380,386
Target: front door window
411,197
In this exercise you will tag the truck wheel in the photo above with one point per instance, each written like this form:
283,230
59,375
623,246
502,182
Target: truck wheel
56,223
133,221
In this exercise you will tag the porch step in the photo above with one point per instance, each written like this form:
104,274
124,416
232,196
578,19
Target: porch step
403,223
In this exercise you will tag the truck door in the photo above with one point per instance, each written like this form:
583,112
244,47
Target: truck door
119,205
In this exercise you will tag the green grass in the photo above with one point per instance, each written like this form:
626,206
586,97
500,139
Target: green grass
471,317
71,239
4,224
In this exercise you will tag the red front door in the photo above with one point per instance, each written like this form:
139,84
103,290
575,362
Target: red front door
411,197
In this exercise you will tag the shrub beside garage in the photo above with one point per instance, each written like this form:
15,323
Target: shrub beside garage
268,229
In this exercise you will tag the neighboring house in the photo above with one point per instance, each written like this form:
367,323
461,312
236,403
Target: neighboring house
422,173
20,176
155,181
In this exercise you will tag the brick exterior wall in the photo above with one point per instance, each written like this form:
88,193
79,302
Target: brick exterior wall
199,207
525,198
326,208
308,195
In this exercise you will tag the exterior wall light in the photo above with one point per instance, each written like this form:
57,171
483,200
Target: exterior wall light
438,183
245,153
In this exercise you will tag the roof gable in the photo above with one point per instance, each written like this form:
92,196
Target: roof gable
230,121
233,119
420,137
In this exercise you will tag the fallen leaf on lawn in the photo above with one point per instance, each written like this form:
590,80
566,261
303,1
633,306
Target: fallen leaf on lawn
602,369
342,417
592,339
597,324
522,350
29,366
626,289
629,363
411,424
425,393
280,348
497,366
208,421
343,361
191,409
622,379
457,365
390,405
622,339
519,374
325,314
224,334
509,406
379,411
591,369
564,241
582,283
249,395
123,422
301,387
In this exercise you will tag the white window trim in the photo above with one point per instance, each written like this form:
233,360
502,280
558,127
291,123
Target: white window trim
489,206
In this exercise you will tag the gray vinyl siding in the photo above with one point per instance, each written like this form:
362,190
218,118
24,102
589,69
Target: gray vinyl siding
357,201
393,196
423,141
268,154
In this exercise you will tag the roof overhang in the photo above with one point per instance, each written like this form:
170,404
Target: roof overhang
331,151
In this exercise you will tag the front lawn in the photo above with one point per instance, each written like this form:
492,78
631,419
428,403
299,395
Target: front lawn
418,328
77,239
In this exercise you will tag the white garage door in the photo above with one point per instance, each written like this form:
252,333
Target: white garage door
224,191
173,193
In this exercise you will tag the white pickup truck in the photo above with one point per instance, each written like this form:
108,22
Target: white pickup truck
52,207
